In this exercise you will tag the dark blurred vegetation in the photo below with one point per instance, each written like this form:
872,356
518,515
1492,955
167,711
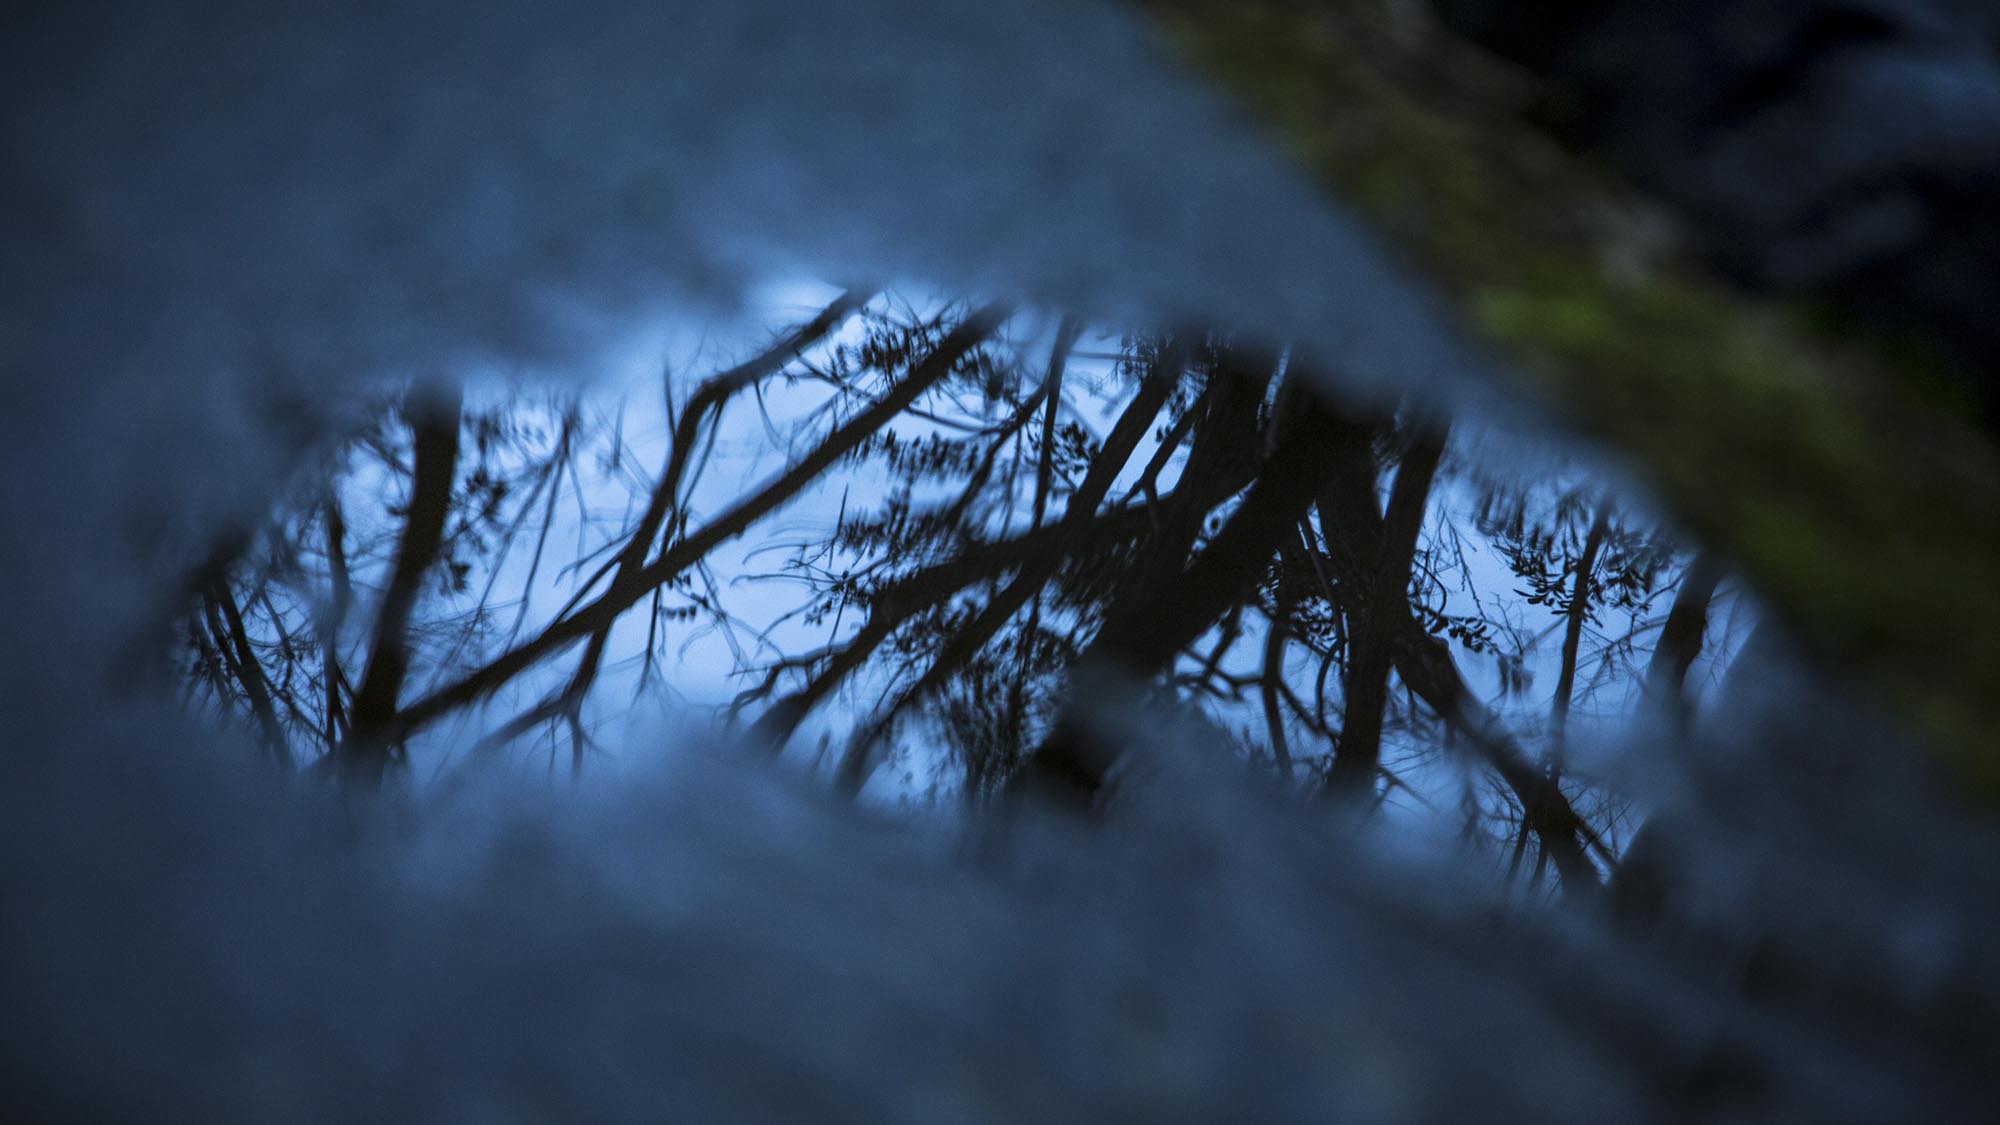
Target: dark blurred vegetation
1591,209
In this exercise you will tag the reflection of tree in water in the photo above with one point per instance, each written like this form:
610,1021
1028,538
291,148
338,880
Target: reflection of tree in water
1328,583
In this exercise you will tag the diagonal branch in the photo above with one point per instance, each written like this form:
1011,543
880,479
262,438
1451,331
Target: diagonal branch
708,400
1425,663
1118,447
233,642
1151,622
675,560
